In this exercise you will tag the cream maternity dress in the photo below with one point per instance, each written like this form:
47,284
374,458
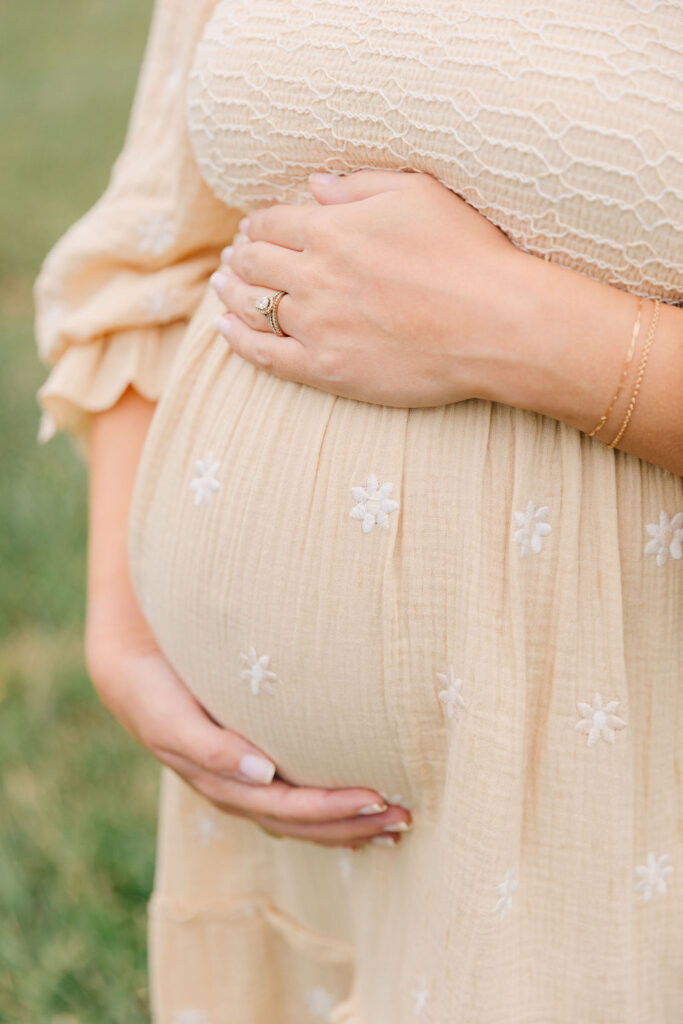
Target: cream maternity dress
521,580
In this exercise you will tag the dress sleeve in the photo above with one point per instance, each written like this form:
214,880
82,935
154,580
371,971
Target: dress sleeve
114,294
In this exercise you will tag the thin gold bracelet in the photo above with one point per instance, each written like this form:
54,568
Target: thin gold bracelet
629,357
641,371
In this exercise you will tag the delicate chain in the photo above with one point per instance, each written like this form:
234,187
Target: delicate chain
641,371
629,357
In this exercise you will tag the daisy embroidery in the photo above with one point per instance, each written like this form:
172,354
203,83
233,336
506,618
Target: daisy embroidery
531,529
320,1002
257,673
160,304
156,233
345,864
204,483
205,827
450,696
653,875
667,537
190,1016
373,504
419,994
505,891
598,721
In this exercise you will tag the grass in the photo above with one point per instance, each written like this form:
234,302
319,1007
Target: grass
77,794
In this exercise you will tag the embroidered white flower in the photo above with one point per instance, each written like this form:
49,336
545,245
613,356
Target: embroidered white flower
156,233
598,721
160,304
450,697
531,528
374,504
320,1002
653,875
257,673
204,483
505,891
345,864
667,537
420,994
190,1016
205,827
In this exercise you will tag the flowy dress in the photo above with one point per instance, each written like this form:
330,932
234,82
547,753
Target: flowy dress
475,609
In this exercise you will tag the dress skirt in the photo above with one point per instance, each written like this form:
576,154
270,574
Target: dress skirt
474,609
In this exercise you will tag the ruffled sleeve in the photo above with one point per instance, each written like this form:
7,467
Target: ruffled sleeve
115,293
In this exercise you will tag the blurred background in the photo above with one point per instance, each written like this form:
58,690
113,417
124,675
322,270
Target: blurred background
77,794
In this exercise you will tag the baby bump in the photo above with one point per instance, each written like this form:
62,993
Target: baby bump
312,566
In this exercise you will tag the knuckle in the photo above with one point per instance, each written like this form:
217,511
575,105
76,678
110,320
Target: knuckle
262,354
212,757
264,220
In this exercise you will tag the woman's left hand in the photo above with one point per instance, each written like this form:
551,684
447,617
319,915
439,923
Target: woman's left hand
399,292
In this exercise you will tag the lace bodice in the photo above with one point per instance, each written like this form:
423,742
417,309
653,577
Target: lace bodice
561,122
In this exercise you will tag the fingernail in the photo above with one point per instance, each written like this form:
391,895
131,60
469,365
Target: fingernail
372,809
397,826
218,280
383,841
244,225
226,254
319,178
222,324
258,769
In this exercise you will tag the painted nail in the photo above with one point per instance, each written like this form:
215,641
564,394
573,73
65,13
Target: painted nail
226,254
318,178
218,280
383,841
372,809
244,225
222,324
398,826
258,769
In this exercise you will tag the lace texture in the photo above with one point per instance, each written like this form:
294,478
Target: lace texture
562,123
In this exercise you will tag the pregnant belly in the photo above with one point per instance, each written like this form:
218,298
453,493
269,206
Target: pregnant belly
314,567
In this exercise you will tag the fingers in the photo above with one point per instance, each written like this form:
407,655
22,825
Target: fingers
283,357
349,188
301,804
256,262
195,738
283,224
334,833
240,298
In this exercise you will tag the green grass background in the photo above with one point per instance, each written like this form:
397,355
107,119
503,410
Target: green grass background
77,794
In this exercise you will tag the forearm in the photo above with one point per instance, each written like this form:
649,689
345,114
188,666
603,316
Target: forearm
572,344
116,440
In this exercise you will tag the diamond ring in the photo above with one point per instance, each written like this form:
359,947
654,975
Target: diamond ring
267,304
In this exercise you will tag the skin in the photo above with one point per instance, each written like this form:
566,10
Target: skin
400,293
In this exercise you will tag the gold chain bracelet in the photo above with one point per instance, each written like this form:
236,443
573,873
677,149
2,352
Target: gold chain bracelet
627,363
641,371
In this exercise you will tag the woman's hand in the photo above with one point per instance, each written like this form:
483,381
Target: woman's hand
141,689
398,291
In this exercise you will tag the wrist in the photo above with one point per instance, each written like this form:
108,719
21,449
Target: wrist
569,343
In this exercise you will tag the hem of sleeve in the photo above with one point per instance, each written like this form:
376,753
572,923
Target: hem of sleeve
92,377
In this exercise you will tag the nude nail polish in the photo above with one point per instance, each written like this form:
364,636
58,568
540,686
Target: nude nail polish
372,809
397,826
257,769
383,841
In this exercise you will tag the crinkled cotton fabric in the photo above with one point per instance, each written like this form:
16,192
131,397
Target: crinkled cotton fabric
473,608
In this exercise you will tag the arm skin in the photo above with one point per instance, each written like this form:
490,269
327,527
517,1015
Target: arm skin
569,355
116,440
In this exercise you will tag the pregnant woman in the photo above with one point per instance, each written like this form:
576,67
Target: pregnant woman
386,534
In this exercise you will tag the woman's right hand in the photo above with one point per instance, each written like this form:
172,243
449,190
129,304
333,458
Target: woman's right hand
142,690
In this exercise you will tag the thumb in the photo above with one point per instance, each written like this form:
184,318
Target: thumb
348,188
